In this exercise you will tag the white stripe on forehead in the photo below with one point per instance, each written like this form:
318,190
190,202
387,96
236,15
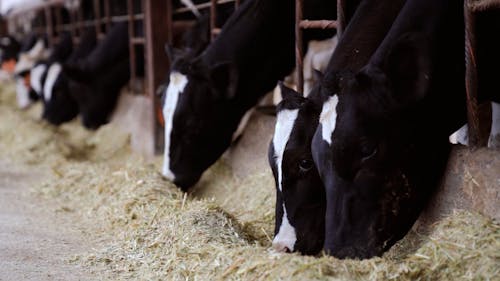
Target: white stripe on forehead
176,86
328,118
286,235
36,78
52,75
284,126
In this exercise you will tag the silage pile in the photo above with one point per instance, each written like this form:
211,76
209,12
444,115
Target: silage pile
154,232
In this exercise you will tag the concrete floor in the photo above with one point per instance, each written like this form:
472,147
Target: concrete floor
35,244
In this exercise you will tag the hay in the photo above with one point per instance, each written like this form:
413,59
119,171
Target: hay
151,231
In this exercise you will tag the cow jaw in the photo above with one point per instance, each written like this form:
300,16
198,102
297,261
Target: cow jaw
286,237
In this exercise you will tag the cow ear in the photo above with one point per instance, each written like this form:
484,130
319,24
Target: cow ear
407,67
172,53
224,77
74,73
288,93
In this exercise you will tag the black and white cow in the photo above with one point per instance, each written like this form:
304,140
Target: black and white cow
60,52
59,105
208,95
33,49
95,82
301,203
382,143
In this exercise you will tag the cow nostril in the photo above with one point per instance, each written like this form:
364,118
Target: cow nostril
281,247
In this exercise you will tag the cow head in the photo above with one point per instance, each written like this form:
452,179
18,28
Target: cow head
59,105
25,94
96,93
300,195
371,151
198,99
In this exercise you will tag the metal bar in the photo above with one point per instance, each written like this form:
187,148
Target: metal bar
169,22
138,41
132,54
97,18
49,26
318,24
213,18
156,61
80,21
471,86
58,18
341,17
201,6
72,23
216,31
298,46
107,14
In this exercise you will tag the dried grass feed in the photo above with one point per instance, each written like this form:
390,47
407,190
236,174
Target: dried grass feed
222,230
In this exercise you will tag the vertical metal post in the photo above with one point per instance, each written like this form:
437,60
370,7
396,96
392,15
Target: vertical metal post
107,14
341,17
169,24
97,18
213,18
156,60
59,27
131,34
80,20
298,47
471,76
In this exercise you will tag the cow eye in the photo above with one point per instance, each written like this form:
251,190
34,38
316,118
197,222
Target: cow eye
305,165
368,151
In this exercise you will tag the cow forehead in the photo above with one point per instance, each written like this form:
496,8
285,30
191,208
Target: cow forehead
328,118
36,77
52,75
284,125
178,82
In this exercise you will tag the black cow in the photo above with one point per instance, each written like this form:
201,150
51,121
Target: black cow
382,143
300,203
59,105
96,81
208,95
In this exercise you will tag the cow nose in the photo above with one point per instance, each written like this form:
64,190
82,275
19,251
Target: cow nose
281,247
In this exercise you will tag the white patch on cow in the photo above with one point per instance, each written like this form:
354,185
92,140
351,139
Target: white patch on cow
22,94
28,59
36,78
176,86
52,75
328,118
494,140
286,237
461,136
284,126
